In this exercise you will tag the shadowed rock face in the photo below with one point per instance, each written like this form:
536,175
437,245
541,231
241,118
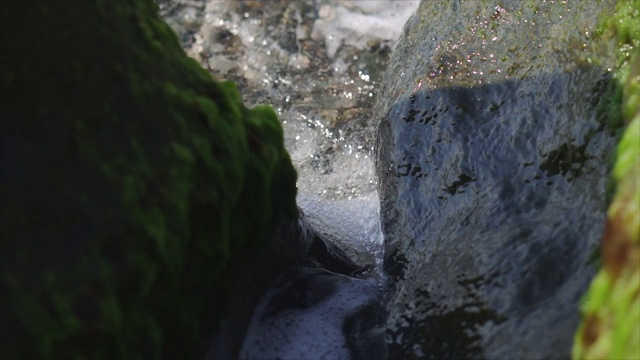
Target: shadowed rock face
295,244
137,191
492,181
499,205
311,313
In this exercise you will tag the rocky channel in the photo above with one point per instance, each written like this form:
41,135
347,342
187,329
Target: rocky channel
492,162
430,190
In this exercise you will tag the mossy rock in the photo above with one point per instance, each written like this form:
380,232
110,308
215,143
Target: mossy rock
611,325
131,184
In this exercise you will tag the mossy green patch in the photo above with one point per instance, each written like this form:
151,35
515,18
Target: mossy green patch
611,308
131,180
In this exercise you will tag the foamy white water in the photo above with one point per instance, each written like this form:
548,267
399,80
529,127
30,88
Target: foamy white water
318,63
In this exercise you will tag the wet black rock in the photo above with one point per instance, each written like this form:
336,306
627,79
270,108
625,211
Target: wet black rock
492,180
311,313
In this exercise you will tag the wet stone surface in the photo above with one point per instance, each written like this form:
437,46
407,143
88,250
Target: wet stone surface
492,163
305,305
499,209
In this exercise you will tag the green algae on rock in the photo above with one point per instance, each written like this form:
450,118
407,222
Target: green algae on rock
611,308
131,183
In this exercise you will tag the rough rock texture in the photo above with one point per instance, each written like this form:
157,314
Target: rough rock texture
492,160
611,325
133,185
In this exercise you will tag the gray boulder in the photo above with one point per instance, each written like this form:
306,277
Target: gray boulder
492,161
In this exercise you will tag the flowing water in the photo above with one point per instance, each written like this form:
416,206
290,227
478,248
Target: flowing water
319,68
318,63
492,164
